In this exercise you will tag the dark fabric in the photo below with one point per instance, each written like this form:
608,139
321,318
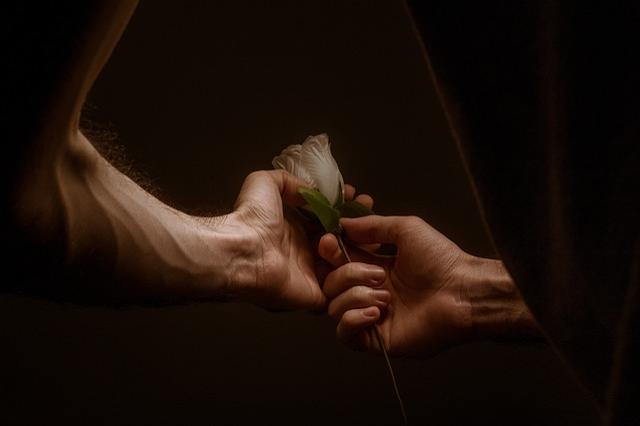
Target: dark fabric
544,100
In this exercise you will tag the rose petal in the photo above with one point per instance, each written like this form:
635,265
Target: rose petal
318,162
290,160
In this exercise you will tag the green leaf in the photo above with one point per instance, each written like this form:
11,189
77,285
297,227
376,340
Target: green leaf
354,209
320,206
314,194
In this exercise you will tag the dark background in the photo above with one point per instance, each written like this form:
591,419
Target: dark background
201,94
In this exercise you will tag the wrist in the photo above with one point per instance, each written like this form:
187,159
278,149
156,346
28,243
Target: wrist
230,252
497,308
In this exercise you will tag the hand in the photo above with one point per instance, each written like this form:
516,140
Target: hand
417,299
286,272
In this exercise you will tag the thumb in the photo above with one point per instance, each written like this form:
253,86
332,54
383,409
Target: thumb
266,185
373,229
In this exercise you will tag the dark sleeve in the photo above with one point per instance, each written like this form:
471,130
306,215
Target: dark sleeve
544,101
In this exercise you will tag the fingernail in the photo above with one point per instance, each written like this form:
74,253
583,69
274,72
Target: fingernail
382,296
375,274
370,312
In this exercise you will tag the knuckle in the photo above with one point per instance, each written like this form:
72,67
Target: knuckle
406,225
414,220
256,175
362,293
279,174
353,272
348,273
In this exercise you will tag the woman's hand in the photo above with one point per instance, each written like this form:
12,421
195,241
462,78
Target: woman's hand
430,296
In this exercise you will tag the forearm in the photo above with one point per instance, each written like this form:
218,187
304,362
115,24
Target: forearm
497,308
130,245
70,210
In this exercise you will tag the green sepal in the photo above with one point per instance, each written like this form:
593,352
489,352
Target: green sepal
329,217
354,209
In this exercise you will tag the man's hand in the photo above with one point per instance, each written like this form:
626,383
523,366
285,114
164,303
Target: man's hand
286,267
430,296
285,274
117,242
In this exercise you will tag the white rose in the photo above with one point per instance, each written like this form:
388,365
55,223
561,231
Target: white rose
313,163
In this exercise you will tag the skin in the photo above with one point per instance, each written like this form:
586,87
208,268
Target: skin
130,246
429,297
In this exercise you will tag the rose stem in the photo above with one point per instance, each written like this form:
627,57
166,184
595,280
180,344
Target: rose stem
381,343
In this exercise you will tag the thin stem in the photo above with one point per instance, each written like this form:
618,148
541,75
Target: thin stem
381,343
393,376
343,248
